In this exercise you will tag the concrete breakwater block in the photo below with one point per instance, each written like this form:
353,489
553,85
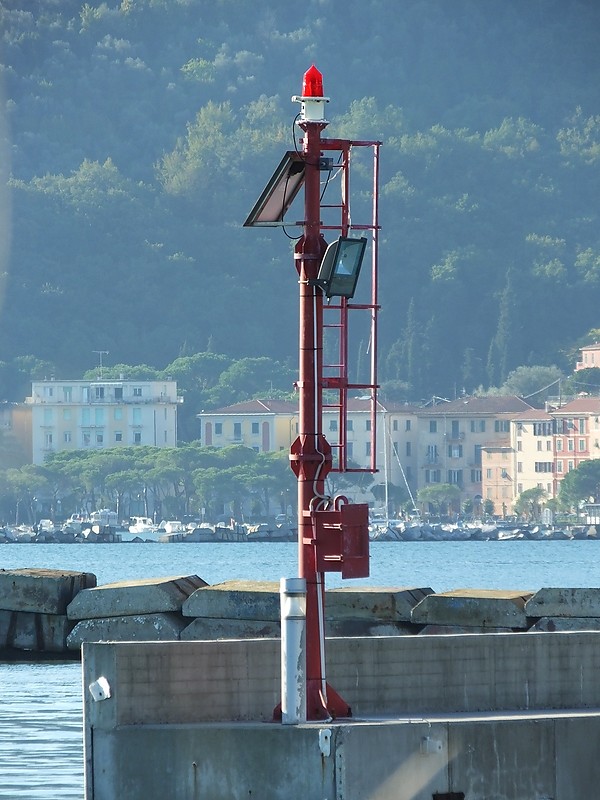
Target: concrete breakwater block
238,599
564,603
372,603
125,598
22,630
42,591
133,628
484,608
210,628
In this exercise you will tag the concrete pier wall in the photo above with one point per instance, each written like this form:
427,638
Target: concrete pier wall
494,716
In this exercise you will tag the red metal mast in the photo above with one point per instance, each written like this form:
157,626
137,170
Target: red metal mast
311,454
333,534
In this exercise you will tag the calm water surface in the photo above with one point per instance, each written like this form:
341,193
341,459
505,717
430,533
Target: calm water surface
41,750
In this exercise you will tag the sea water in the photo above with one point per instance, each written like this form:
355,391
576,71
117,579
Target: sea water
41,737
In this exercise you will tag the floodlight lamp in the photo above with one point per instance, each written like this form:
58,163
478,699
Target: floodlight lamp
340,267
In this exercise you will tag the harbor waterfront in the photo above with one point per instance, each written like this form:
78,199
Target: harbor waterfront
40,711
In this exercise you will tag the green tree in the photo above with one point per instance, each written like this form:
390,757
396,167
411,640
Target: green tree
529,503
439,498
579,485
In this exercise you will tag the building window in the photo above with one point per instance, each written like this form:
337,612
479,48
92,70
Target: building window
67,393
519,446
539,445
569,466
558,445
99,392
581,445
137,437
118,436
455,451
477,426
475,476
218,428
368,425
137,391
395,448
432,426
548,445
407,425
519,428
582,426
519,488
408,473
118,392
349,449
395,425
488,474
237,431
48,391
433,476
455,476
570,444
559,466
99,438
67,437
502,426
255,428
86,438
544,466
519,466
432,454
349,425
367,448
408,449
333,426
48,440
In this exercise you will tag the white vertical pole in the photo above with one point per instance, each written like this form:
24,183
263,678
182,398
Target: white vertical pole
292,594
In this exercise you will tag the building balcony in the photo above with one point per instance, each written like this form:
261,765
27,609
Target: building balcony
454,437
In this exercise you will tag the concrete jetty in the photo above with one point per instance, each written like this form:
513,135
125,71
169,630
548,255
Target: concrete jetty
511,716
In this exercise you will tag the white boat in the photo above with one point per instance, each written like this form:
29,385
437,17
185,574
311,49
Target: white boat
173,526
141,528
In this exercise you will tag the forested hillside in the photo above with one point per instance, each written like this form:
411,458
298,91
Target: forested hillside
137,135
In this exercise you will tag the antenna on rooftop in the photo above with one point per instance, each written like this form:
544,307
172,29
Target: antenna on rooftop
100,353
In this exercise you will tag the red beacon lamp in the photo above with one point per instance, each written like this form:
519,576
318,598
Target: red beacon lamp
312,100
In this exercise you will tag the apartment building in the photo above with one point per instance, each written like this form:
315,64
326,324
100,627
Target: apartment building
74,415
452,437
271,425
15,435
590,357
492,448
532,457
264,425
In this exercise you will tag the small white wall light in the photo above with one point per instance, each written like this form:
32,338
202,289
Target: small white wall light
100,689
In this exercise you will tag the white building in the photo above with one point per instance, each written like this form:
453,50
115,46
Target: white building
76,415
